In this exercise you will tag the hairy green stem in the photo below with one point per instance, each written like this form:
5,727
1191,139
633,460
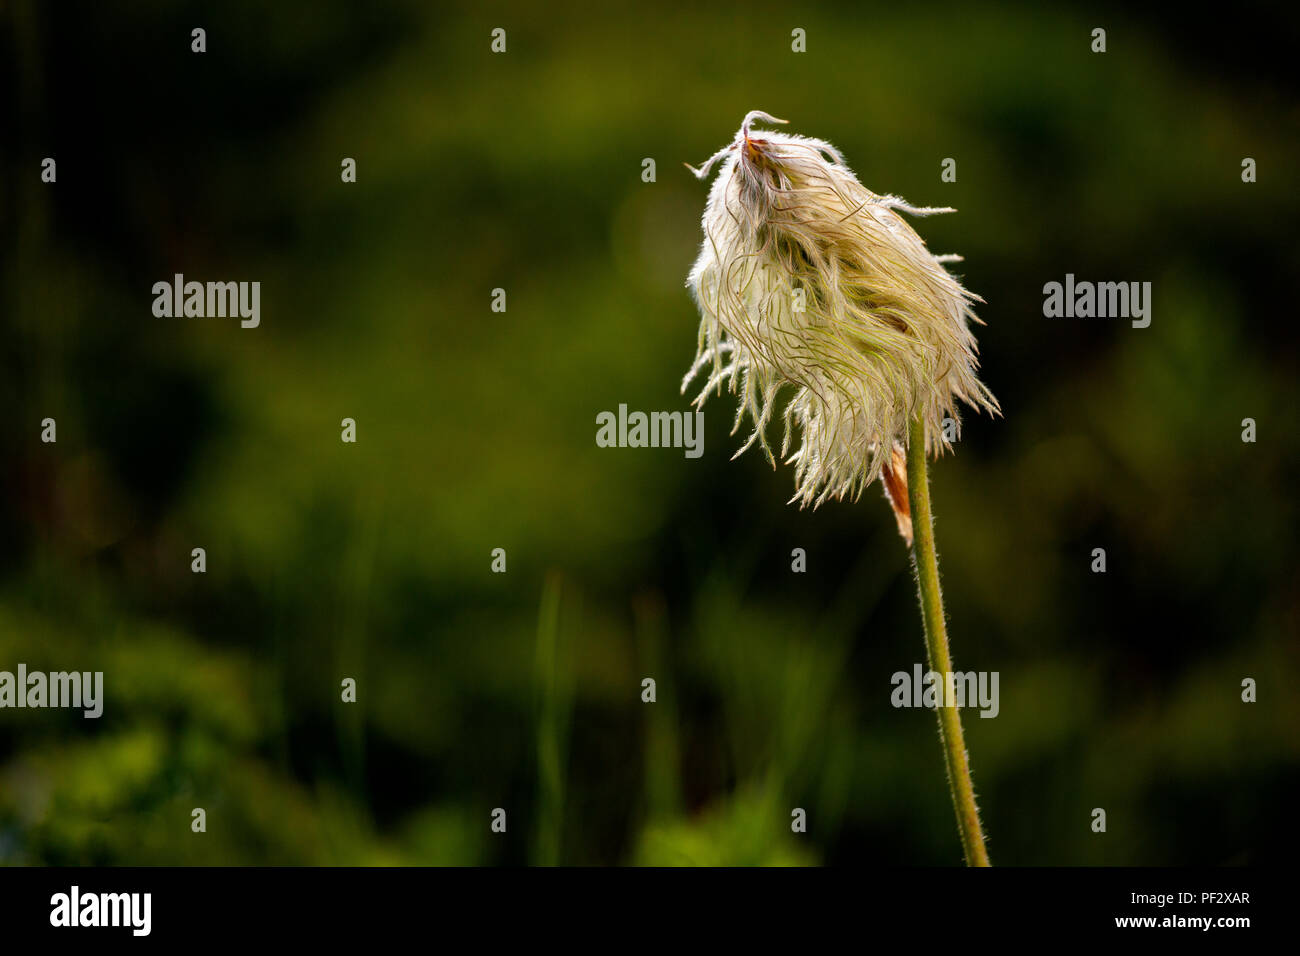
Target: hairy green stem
936,645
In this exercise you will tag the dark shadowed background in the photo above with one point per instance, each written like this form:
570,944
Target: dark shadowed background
476,430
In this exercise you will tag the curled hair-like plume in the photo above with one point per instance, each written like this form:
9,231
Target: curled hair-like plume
810,280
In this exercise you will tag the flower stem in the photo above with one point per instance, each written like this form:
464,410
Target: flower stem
936,645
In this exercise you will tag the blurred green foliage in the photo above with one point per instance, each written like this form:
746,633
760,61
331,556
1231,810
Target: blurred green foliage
476,431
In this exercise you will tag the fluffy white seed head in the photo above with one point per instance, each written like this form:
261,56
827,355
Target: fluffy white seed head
883,333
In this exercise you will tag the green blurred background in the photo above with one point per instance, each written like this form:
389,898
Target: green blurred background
476,431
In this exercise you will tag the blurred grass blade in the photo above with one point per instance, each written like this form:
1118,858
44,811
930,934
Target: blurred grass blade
555,679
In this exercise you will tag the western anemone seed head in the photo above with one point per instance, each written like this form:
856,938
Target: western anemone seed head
808,279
